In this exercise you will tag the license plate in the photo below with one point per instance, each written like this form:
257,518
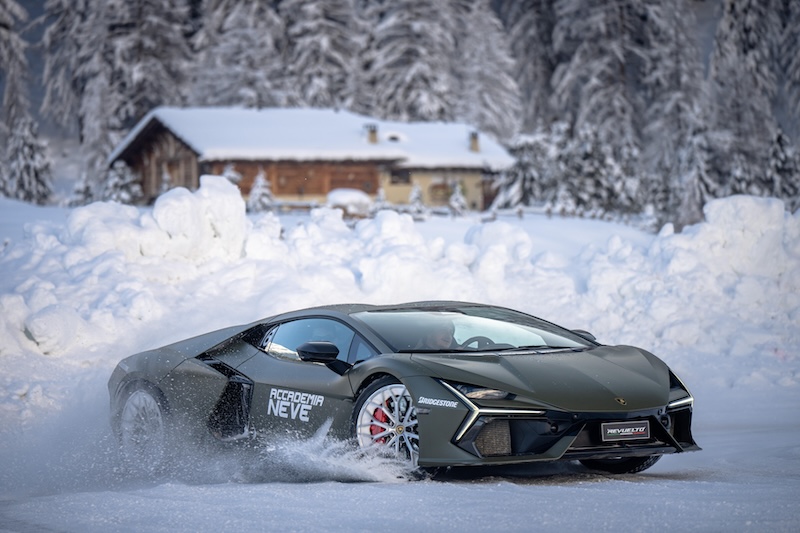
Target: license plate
614,431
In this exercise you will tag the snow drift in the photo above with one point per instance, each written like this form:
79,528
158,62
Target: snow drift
720,302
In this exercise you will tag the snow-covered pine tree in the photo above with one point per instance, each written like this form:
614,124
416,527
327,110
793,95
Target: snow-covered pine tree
261,197
63,47
740,181
99,102
5,186
13,63
698,184
743,79
457,202
82,192
782,177
510,186
380,202
368,13
520,184
149,55
673,78
28,166
604,50
596,183
239,52
78,83
122,185
107,62
789,54
25,172
325,41
13,73
487,96
415,199
411,69
537,174
231,173
530,34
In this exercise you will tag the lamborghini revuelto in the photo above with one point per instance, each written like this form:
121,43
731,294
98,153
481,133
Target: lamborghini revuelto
438,383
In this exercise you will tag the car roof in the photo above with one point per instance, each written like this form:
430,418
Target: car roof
350,308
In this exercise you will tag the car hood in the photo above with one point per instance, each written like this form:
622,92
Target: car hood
605,378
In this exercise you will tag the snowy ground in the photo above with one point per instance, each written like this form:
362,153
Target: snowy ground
80,289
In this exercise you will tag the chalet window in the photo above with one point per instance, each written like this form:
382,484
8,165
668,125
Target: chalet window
400,176
440,193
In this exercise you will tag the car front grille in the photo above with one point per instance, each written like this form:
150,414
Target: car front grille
519,436
494,439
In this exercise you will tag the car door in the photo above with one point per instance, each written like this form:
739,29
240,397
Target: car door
296,397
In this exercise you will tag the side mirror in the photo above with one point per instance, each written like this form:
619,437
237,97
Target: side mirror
585,334
323,352
318,351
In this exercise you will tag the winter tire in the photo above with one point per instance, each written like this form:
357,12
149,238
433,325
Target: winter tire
385,415
142,430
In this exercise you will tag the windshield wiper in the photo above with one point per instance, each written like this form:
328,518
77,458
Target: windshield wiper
437,350
537,347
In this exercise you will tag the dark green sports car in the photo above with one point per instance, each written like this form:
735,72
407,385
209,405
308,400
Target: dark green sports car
438,383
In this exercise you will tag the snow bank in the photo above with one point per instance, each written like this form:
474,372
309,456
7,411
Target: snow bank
720,301
354,202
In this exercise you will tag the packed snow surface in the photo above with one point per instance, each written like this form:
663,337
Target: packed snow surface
80,289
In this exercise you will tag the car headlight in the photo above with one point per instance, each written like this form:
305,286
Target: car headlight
679,393
474,392
683,402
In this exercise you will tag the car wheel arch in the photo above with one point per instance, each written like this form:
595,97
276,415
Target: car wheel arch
369,380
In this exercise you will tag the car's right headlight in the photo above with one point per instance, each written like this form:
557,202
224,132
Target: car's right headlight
475,392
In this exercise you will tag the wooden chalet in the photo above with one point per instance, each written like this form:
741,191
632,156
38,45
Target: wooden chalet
306,153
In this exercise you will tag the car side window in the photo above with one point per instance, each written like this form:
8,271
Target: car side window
289,335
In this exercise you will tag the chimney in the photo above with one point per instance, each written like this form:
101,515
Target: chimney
473,142
372,133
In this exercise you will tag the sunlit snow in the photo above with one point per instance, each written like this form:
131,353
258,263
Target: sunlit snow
82,288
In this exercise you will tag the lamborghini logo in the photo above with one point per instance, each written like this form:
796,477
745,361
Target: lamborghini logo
621,401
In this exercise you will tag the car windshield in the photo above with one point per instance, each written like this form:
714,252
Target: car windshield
467,328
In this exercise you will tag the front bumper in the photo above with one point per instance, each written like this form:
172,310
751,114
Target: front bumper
570,436
488,435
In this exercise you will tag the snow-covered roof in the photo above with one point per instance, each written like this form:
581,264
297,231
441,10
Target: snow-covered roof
231,133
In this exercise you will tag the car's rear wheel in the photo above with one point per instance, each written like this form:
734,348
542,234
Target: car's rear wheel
629,465
385,415
142,430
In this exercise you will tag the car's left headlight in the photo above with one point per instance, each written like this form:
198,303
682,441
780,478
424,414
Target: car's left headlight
474,392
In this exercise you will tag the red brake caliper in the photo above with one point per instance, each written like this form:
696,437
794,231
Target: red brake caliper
380,415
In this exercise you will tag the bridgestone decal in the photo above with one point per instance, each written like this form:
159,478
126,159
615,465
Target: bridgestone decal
437,402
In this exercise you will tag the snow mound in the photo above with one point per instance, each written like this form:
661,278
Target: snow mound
354,202
720,302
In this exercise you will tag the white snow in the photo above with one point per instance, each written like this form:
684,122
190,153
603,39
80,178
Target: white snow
80,289
229,133
353,202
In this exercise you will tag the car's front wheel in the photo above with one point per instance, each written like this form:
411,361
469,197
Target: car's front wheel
630,465
142,429
385,415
